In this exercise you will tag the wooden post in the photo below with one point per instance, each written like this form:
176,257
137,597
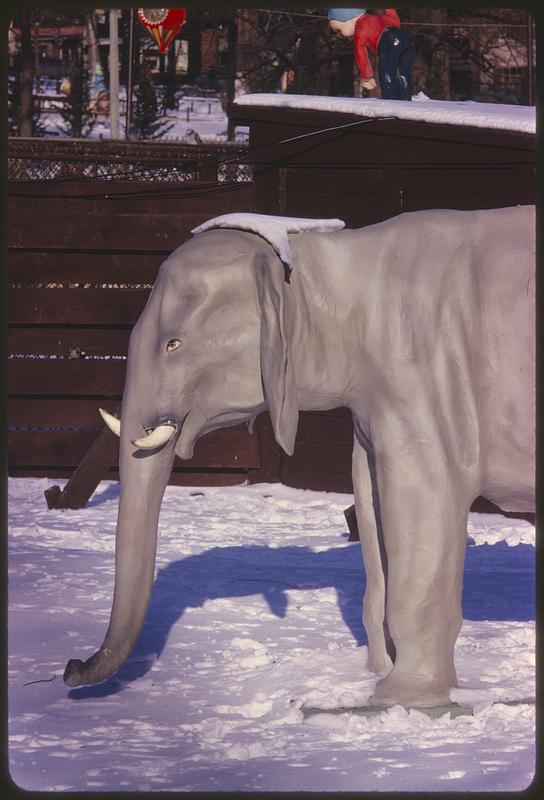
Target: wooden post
231,57
130,80
114,75
101,455
27,75
530,57
351,519
269,453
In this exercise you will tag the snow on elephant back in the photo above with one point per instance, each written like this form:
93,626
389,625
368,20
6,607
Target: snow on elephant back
423,325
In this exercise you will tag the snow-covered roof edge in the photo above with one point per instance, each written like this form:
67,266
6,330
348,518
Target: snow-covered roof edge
421,109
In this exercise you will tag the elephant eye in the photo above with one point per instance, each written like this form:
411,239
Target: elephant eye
172,344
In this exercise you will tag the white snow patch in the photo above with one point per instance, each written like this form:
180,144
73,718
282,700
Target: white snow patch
491,529
420,109
274,229
255,614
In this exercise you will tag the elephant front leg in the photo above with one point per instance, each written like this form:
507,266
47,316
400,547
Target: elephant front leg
424,516
380,646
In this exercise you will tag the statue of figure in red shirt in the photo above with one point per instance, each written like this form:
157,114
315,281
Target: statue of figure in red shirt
379,31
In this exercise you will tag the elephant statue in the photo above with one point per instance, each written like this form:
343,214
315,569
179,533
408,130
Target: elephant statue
423,325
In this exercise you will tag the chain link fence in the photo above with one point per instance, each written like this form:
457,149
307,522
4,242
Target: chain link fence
76,159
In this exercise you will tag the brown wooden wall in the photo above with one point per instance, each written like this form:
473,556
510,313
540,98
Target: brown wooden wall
381,168
363,175
83,256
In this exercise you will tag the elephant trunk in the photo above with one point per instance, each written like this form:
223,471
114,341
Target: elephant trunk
144,476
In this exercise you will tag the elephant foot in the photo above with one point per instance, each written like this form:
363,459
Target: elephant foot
379,665
73,673
412,691
96,669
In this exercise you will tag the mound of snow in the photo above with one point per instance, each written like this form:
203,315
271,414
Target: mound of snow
274,229
255,615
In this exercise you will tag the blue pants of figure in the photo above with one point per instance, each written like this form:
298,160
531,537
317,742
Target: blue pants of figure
396,51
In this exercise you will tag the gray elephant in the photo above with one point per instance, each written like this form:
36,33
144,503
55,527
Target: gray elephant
423,326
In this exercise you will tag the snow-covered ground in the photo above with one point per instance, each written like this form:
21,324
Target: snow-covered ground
255,614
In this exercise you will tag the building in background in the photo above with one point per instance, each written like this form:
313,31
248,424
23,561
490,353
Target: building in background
484,54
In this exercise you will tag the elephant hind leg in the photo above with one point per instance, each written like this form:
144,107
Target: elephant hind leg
381,650
425,533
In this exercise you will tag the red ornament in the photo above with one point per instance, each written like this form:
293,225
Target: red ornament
162,23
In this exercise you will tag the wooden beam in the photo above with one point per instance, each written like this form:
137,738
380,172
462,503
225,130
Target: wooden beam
88,474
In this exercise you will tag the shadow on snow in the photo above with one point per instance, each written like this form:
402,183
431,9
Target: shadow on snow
499,584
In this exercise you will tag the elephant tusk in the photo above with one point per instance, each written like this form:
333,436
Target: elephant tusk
112,422
158,437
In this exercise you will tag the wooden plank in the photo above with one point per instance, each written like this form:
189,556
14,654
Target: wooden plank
459,180
422,188
103,452
76,306
53,377
230,448
375,145
70,230
87,190
319,429
205,202
339,206
200,478
318,481
269,125
342,412
316,178
330,458
66,341
268,469
48,412
131,197
65,448
29,267
525,184
205,478
50,471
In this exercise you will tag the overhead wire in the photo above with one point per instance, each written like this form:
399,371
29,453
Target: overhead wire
244,155
452,24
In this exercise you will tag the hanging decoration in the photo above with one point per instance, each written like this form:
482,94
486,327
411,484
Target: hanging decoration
162,23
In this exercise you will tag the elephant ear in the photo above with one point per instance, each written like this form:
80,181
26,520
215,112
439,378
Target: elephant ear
279,385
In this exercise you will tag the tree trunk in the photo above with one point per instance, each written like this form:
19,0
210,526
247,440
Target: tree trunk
90,47
170,78
194,54
27,75
231,76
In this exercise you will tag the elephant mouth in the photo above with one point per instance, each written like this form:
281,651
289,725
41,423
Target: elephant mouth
155,435
158,435
191,427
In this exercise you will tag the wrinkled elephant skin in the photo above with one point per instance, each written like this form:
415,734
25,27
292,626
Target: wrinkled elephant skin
423,326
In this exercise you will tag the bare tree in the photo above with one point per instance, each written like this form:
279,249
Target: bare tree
470,54
27,75
475,54
90,49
